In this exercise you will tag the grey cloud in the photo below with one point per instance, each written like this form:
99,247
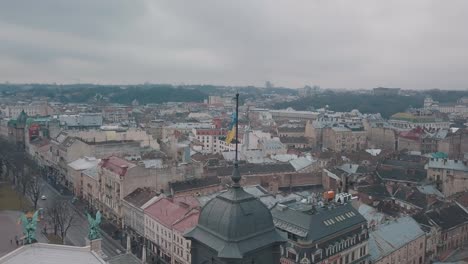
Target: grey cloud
350,44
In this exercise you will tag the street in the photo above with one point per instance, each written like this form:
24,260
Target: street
79,230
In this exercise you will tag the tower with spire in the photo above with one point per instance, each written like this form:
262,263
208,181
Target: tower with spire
235,227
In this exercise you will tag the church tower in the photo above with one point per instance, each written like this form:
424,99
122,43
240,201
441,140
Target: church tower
235,227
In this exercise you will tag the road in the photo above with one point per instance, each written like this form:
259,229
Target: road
79,230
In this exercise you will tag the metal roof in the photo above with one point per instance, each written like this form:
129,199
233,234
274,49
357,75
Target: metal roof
390,237
235,223
317,225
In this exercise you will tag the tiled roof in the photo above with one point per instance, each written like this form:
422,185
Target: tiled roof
167,211
116,165
140,196
194,184
189,221
448,217
401,174
251,169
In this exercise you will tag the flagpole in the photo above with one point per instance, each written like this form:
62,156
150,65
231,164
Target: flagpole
237,127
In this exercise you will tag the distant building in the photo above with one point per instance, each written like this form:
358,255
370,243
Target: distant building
413,120
33,109
81,121
344,138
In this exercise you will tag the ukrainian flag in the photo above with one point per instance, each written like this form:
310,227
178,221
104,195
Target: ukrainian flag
232,129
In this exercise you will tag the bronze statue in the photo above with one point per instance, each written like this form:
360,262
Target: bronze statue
29,227
93,224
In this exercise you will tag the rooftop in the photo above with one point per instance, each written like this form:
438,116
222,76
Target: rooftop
251,169
457,165
140,196
84,163
390,237
316,225
116,165
197,183
51,254
168,211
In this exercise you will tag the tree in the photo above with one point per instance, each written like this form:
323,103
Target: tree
62,217
34,190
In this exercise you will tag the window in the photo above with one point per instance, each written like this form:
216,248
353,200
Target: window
291,255
352,256
347,259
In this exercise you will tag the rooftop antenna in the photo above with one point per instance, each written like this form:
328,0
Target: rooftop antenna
235,173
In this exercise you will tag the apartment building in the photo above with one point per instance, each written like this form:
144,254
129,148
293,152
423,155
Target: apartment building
166,220
344,138
450,176
333,235
401,241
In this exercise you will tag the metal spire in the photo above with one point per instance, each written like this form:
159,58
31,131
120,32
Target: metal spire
235,173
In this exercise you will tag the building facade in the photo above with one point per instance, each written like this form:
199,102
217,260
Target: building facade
336,235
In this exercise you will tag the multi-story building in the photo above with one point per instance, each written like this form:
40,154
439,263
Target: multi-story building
166,220
334,234
119,177
81,121
455,144
423,120
344,138
450,176
446,229
33,109
133,211
115,114
213,140
74,173
401,241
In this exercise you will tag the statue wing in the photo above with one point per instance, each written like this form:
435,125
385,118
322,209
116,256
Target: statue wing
34,218
90,219
24,221
98,217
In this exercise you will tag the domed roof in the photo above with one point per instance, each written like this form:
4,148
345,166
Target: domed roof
235,223
236,214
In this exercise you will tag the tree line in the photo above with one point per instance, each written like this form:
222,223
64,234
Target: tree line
24,174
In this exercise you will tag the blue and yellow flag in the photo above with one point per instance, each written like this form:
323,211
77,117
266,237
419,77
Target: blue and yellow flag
232,129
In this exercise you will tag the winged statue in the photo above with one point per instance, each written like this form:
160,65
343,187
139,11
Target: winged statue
29,227
93,224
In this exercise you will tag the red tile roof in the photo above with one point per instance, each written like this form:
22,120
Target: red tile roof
414,134
190,220
116,165
168,211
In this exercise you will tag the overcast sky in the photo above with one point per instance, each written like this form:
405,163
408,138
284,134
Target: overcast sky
417,44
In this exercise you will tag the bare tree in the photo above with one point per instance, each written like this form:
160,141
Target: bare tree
62,217
34,190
